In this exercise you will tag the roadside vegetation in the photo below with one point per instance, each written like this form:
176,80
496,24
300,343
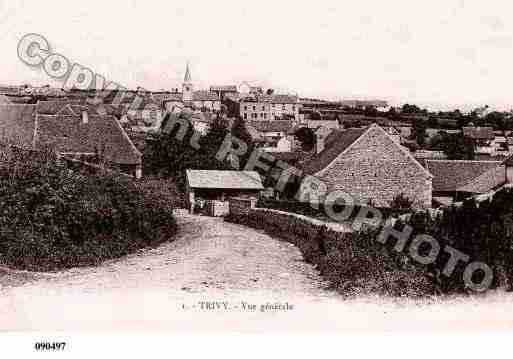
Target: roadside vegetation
355,263
52,217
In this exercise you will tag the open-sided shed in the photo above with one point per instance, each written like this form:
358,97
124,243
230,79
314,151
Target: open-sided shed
220,185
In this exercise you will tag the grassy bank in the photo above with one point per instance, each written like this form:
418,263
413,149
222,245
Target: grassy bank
52,217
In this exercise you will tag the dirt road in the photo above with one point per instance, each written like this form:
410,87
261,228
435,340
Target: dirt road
220,276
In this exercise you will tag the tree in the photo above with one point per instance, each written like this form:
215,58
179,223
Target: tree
407,108
432,122
419,132
269,91
212,141
307,138
167,156
371,111
240,131
455,146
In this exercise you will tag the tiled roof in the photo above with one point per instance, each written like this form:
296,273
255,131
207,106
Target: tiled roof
50,107
509,161
101,134
336,143
323,123
176,96
479,133
17,124
227,88
466,176
277,99
272,125
256,136
9,90
287,156
204,96
224,179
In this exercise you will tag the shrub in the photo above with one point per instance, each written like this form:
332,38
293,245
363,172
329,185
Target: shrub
52,217
351,262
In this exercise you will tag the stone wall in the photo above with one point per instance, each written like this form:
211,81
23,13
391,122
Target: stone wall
217,208
241,205
377,169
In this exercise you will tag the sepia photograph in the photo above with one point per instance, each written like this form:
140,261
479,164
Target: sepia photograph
263,168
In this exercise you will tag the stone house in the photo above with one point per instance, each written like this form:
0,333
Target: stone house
370,166
88,135
275,135
269,107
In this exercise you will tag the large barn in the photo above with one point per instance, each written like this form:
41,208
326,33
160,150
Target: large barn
370,166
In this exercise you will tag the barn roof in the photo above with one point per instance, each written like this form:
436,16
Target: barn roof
17,123
336,143
224,179
22,125
465,176
101,134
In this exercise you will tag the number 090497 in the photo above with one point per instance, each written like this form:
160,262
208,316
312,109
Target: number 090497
47,346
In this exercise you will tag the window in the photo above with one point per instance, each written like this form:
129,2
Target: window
254,108
263,108
245,108
245,116
262,115
283,107
293,107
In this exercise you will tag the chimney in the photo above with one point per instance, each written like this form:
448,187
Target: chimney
85,117
319,143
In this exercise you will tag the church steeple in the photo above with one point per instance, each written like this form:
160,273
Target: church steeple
187,78
187,88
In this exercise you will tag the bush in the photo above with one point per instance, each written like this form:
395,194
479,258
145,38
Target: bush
52,217
352,262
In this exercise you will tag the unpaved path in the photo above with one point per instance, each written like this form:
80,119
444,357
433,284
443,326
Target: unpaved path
215,261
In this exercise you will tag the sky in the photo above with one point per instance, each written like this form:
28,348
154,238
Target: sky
438,54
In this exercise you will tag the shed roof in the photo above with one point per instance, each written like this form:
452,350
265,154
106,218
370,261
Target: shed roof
17,123
459,175
272,125
479,133
224,179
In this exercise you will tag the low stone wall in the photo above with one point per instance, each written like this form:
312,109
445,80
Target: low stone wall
239,205
217,208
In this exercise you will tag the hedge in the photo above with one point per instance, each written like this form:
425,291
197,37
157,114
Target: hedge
52,217
352,262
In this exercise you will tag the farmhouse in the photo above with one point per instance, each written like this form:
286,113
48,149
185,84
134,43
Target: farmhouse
370,166
456,180
86,136
220,185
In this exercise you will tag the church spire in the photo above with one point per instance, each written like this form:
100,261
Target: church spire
187,78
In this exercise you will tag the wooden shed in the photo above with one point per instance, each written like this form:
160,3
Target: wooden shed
212,185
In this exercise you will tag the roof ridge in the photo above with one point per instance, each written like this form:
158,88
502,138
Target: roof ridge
460,161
